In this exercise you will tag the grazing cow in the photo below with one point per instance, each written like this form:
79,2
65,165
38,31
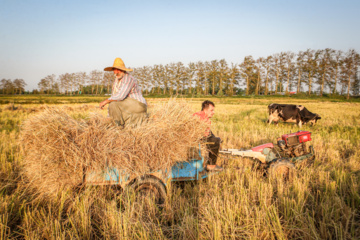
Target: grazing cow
291,113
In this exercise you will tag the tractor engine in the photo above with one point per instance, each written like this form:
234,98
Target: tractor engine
294,144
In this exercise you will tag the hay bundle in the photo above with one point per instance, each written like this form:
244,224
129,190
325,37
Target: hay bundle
12,107
49,145
30,110
58,147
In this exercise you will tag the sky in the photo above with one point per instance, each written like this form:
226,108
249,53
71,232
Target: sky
43,37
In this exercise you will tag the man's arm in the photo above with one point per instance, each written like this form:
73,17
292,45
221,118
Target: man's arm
126,84
103,103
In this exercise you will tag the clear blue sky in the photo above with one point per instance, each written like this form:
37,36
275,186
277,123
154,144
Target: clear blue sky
39,37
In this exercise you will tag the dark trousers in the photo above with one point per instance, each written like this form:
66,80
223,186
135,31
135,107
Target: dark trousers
213,145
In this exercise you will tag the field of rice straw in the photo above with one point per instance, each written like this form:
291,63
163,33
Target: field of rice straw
322,201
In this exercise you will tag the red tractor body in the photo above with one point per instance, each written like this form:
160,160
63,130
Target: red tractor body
296,138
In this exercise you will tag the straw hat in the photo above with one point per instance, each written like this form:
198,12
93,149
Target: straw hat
118,64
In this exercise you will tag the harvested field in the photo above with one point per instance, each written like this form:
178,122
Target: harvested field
322,201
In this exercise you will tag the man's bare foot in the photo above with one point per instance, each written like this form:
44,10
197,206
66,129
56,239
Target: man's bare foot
214,168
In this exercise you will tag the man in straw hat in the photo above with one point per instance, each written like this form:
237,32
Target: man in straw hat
127,106
212,142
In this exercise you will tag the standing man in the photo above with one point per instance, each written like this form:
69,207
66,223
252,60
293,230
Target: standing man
127,106
212,142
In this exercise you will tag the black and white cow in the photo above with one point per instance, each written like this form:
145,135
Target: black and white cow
291,113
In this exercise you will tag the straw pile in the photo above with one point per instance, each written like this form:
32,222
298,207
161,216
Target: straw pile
58,147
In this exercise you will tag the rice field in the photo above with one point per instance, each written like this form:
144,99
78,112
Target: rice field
321,201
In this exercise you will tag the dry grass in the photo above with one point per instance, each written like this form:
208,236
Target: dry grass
58,147
322,201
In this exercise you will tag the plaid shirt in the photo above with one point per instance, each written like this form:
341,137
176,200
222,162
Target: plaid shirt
126,87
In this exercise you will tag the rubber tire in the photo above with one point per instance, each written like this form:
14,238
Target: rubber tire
151,186
281,168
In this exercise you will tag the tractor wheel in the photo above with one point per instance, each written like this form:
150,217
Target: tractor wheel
282,169
149,189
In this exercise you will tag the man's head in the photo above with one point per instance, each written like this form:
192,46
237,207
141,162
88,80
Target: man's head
119,74
208,108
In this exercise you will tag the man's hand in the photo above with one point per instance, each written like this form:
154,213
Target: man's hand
103,103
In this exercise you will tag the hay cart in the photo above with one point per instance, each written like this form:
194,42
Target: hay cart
153,183
292,150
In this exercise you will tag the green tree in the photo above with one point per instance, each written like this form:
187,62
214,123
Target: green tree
325,57
142,76
223,75
200,76
19,85
156,73
259,69
356,84
95,79
179,77
336,63
351,63
7,86
191,72
299,68
172,74
163,79
166,77
233,78
206,78
310,66
277,67
267,64
44,85
65,82
213,74
247,70
289,66
81,78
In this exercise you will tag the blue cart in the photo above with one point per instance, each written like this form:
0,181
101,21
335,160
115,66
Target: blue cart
153,183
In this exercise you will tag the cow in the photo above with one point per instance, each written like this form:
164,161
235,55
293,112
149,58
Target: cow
291,113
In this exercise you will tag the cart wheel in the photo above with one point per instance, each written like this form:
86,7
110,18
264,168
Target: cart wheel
150,189
282,169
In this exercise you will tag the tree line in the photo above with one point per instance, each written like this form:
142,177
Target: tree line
320,71
312,71
17,86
